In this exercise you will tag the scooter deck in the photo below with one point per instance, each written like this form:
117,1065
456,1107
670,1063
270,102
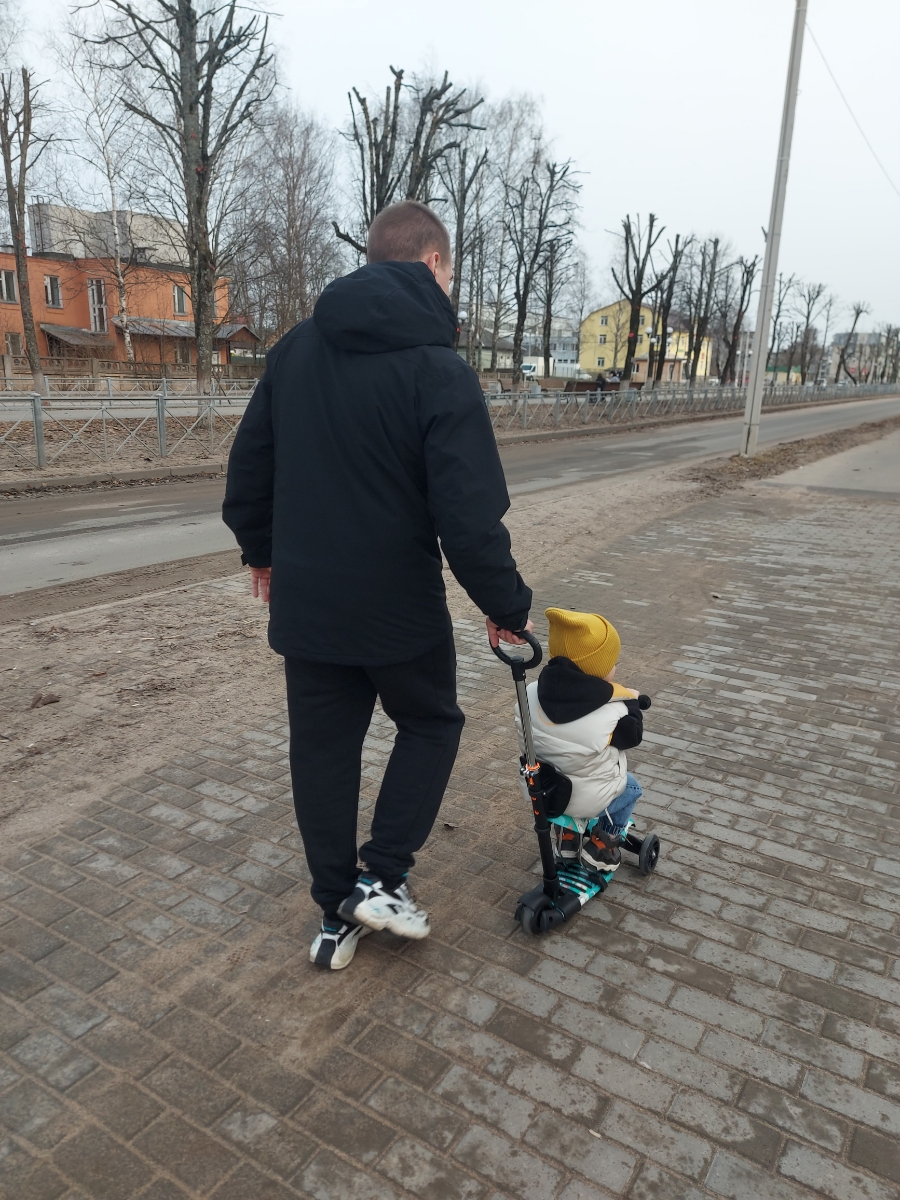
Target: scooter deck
584,883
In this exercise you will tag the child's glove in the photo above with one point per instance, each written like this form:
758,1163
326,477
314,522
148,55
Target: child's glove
644,700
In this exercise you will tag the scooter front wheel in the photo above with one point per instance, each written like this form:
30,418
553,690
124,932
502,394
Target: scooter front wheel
533,915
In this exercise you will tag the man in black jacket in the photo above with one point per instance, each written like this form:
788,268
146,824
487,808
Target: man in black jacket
366,443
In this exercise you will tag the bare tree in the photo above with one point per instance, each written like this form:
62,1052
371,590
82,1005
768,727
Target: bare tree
637,279
197,73
733,300
785,289
460,170
539,208
697,295
666,285
104,144
810,304
860,309
21,147
288,252
399,145
827,309
553,277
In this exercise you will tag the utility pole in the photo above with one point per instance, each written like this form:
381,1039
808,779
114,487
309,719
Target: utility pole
773,241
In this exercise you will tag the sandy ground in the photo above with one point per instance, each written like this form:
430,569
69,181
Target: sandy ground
125,681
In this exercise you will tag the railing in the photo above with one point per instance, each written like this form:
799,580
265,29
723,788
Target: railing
169,420
514,411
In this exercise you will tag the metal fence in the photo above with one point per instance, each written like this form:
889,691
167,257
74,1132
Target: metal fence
169,419
514,411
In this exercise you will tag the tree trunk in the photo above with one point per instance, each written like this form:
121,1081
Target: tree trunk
15,169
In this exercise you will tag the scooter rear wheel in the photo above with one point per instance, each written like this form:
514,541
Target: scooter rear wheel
648,856
533,916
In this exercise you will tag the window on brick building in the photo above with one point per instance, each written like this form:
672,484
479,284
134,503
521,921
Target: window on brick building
97,304
604,320
179,300
8,291
52,291
602,339
601,362
14,344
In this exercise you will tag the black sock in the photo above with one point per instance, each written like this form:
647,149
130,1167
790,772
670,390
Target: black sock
332,918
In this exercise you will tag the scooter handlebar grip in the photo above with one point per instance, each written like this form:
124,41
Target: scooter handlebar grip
515,660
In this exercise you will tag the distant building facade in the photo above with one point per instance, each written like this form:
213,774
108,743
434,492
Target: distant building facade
604,345
75,296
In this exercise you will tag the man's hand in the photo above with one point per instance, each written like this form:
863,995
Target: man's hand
497,635
260,583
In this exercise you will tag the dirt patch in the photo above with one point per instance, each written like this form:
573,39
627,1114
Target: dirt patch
722,474
120,585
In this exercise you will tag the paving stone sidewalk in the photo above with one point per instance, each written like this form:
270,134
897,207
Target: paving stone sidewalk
729,1027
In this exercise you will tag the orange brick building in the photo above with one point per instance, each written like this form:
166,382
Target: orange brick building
76,306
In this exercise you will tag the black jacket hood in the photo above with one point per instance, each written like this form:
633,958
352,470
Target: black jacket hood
566,693
385,306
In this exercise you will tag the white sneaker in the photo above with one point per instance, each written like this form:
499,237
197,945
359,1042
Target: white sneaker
370,903
336,944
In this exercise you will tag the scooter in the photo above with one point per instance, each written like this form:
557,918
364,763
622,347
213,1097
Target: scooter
566,887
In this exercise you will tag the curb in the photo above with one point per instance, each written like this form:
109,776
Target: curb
44,483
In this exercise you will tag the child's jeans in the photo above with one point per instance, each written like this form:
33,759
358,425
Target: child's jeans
614,817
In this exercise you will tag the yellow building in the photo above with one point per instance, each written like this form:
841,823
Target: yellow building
604,342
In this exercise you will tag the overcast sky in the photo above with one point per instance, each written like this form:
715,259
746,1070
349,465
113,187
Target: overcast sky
670,108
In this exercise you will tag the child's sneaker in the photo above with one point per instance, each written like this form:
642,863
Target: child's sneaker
336,944
567,843
599,851
372,904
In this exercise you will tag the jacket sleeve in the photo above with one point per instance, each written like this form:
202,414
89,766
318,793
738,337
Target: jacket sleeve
247,509
629,731
467,494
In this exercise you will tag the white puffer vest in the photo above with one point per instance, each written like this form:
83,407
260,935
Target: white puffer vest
581,750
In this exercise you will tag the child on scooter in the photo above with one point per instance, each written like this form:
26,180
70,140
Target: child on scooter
583,723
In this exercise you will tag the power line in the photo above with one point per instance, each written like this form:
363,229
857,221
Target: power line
850,110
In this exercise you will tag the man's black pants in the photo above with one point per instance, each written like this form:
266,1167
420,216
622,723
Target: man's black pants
329,709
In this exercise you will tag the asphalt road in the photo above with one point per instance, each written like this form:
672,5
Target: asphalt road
46,540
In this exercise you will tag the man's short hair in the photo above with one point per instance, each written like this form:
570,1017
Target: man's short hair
406,232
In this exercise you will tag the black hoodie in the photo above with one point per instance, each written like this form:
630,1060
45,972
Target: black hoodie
366,441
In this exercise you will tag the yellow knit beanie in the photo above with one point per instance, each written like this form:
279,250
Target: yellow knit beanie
588,639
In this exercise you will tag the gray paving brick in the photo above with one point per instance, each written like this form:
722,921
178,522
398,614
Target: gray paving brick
67,1011
192,1156
591,1025
328,1177
19,979
27,1178
862,1037
722,1124
739,963
35,1114
737,1179
776,1004
646,1015
836,999
421,1115
356,1133
597,1160
267,1140
490,1101
660,1141
653,1183
714,1011
876,1153
533,1036
631,977
829,1178
473,1006
794,1115
99,1164
794,957
684,1067
515,1170
851,1101
756,1060
617,1077
29,940
557,1090
184,1086
508,986
809,1048
52,1059
421,1172
869,984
